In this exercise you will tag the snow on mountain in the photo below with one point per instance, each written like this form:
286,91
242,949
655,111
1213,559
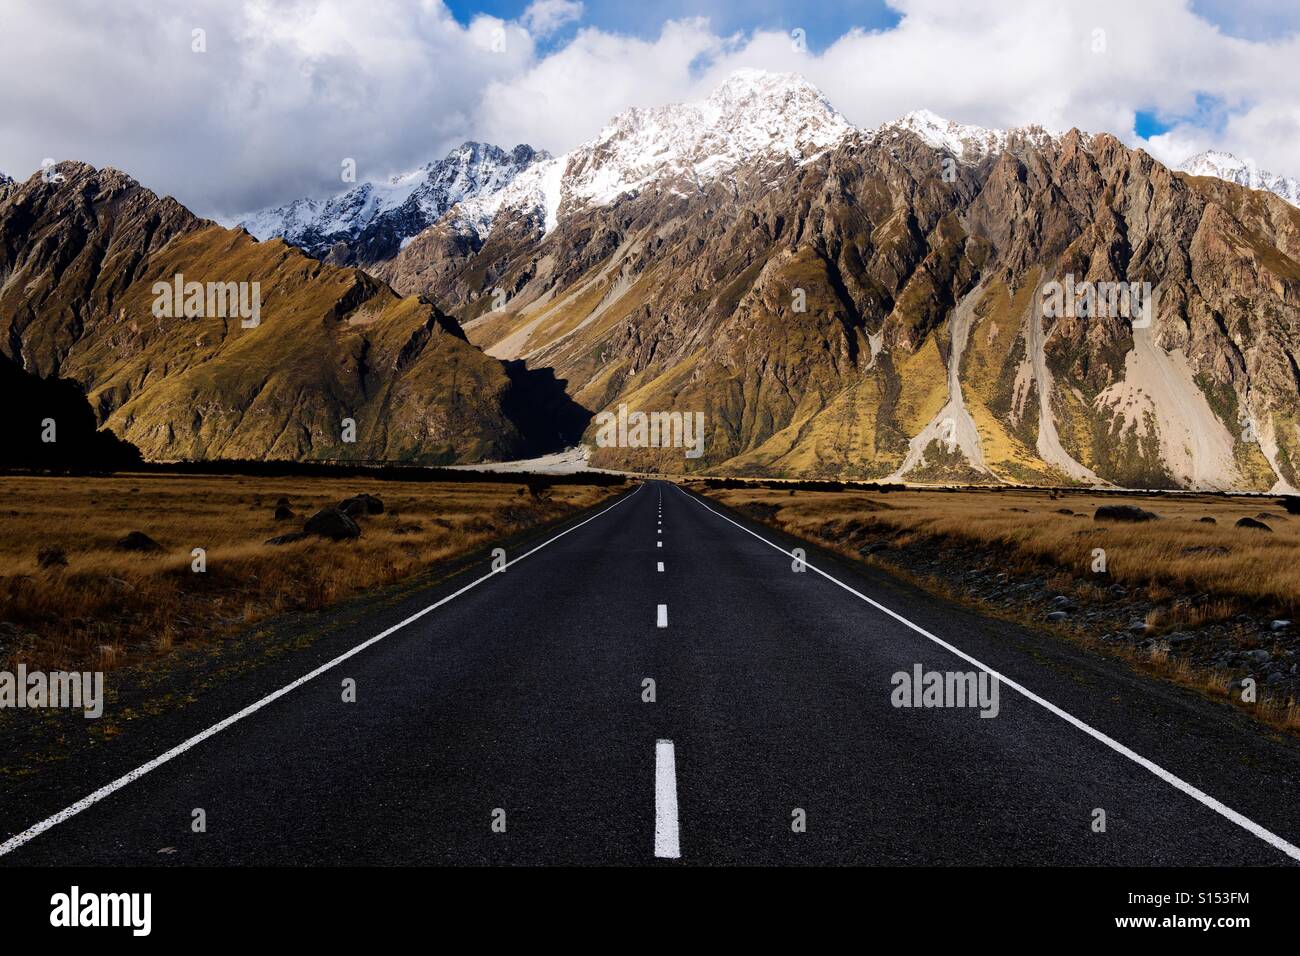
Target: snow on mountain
963,142
1242,172
752,115
375,219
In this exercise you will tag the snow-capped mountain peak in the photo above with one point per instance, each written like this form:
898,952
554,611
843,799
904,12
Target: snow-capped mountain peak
752,115
374,219
962,141
1242,172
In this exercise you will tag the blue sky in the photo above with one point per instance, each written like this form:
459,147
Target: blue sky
823,22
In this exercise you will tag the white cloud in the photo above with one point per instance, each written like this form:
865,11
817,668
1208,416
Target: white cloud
1091,64
568,97
288,88
544,17
285,91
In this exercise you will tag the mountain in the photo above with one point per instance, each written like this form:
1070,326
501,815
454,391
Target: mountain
753,116
754,120
1228,167
271,372
371,221
962,142
834,302
867,303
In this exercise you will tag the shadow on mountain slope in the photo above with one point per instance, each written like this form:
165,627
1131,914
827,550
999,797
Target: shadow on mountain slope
537,403
56,408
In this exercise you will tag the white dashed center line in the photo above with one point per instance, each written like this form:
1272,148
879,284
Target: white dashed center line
667,843
662,619
661,565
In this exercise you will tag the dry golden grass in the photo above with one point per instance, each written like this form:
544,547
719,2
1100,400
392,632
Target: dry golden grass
1174,557
1260,569
108,608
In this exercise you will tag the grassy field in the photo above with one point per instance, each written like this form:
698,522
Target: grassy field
106,608
1183,574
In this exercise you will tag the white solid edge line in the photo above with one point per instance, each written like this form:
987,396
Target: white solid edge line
661,616
667,841
1268,836
67,813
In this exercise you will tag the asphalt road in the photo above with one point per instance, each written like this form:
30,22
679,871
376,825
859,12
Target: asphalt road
519,699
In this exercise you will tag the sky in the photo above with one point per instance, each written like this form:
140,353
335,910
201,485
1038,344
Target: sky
234,105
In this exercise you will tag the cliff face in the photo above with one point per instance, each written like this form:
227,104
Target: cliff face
924,300
79,260
878,310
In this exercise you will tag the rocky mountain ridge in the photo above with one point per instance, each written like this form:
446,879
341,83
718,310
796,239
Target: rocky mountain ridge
835,302
371,221
922,350
330,363
1228,167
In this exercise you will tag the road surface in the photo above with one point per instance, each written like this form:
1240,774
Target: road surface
501,718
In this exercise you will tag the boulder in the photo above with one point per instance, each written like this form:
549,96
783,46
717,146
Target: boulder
289,538
359,505
138,541
1253,523
283,513
1123,513
333,524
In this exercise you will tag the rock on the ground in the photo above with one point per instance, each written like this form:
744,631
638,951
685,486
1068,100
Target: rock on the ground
138,541
1123,513
333,524
362,504
1253,523
289,538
